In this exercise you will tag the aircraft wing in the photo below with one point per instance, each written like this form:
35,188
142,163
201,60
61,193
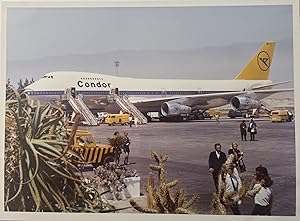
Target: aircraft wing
192,100
265,93
271,91
205,100
270,85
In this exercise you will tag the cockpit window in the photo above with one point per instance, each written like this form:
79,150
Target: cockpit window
48,76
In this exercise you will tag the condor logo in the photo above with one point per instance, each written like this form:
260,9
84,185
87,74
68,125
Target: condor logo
263,60
98,84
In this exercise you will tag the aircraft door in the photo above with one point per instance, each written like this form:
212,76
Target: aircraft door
115,91
73,92
163,92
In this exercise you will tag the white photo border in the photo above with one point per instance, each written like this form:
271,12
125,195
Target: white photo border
134,3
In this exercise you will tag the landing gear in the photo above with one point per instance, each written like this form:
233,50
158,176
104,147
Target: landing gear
174,119
199,115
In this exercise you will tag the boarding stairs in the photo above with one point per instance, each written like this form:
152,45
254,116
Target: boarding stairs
126,106
264,106
79,106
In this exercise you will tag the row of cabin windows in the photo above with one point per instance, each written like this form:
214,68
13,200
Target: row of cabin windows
91,79
61,92
121,92
50,76
159,92
45,93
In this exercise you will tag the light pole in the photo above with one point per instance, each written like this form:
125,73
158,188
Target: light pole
117,64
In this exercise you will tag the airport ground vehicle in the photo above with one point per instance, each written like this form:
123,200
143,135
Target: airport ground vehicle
200,116
213,112
205,115
153,116
234,114
91,152
239,113
113,119
281,116
101,116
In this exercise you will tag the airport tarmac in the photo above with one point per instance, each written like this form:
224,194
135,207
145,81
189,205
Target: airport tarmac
188,145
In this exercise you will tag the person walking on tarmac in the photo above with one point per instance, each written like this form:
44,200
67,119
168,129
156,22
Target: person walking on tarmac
238,157
116,144
217,117
130,120
216,159
126,148
252,129
243,129
135,121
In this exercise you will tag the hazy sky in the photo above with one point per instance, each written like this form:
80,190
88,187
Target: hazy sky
35,33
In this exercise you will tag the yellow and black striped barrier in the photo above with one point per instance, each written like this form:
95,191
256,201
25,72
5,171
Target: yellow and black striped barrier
95,155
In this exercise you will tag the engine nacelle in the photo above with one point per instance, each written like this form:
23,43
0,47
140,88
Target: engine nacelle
174,109
244,103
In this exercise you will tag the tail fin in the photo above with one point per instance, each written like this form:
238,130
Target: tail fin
259,66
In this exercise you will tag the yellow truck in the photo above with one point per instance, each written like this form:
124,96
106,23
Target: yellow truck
90,151
280,116
114,119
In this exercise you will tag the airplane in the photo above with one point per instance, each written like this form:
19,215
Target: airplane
170,97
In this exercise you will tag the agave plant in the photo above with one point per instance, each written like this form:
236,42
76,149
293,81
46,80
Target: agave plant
42,172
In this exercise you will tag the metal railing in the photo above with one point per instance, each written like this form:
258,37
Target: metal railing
79,106
125,104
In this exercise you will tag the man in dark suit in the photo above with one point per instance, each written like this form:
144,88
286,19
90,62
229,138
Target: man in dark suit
243,129
216,159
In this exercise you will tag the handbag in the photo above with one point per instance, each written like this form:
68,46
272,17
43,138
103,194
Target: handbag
249,129
242,166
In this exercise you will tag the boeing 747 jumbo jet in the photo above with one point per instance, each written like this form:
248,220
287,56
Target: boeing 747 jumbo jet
170,97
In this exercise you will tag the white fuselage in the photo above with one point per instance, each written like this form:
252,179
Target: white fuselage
95,87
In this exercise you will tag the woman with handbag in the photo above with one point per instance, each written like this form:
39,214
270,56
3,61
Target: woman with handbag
238,157
252,129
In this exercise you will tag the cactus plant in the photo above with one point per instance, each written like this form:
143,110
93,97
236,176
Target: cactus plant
162,199
221,200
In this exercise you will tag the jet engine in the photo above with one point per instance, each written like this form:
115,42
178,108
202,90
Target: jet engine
244,103
174,109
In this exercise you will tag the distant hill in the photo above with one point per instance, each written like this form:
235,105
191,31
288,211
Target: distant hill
202,63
